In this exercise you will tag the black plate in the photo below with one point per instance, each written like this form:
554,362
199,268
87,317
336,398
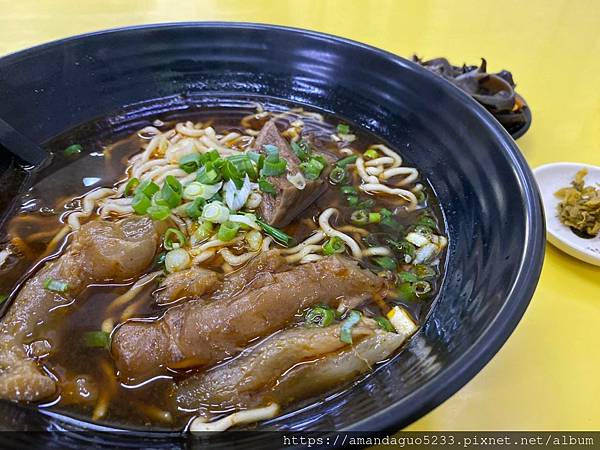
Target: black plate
485,187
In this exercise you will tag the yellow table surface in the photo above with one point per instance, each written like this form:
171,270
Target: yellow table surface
547,376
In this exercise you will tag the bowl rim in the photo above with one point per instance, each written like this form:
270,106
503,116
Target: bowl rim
454,376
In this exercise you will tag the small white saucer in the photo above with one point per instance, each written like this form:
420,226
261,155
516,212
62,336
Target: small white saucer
550,178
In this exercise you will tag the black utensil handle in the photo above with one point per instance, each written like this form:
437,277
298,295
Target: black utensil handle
20,146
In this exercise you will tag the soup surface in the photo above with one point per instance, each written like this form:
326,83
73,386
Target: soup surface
236,259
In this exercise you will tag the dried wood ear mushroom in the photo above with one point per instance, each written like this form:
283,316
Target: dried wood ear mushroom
495,91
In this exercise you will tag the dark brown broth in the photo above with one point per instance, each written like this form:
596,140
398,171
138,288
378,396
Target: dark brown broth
43,208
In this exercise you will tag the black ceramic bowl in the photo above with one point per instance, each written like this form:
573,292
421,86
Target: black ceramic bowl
485,188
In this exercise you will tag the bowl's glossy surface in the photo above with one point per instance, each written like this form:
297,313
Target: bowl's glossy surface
486,190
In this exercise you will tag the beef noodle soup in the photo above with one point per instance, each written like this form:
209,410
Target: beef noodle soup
214,270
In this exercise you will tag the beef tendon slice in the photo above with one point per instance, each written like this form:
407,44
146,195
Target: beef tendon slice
100,251
198,333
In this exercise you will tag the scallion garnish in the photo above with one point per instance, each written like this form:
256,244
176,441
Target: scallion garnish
173,239
374,217
190,163
407,277
271,150
360,217
312,168
427,221
346,161
265,186
421,287
194,209
96,339
333,245
422,271
281,237
402,249
347,325
131,186
204,231
244,166
385,324
371,154
3,298
273,166
158,212
74,149
208,174
172,191
227,231
148,188
56,285
386,262
215,212
301,150
319,316
349,190
342,128
337,175
140,203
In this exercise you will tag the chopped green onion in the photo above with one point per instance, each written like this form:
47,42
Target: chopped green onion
402,249
176,260
208,174
334,245
243,165
420,197
301,150
407,277
387,219
273,167
96,339
281,237
140,203
265,186
386,262
347,325
257,158
3,298
204,231
427,221
371,154
172,191
210,156
74,149
346,161
349,190
406,291
422,271
190,163
421,287
360,217
56,285
337,175
352,200
227,231
342,128
385,324
230,172
374,217
271,150
148,188
366,204
319,316
194,209
173,233
158,212
131,185
312,169
215,212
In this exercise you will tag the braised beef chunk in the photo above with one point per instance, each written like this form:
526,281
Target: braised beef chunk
283,207
192,282
294,364
200,333
100,251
